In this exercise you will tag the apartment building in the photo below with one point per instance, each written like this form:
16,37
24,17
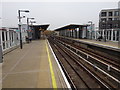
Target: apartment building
109,24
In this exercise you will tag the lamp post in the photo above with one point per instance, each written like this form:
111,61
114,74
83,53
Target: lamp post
28,24
91,27
32,26
32,23
19,17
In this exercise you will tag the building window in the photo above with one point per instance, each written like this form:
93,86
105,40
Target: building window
10,37
103,26
103,14
110,13
113,35
116,25
6,36
101,33
110,26
116,18
116,13
103,19
107,32
110,19
117,35
6,39
110,35
3,37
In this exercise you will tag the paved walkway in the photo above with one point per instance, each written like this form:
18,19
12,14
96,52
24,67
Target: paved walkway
30,68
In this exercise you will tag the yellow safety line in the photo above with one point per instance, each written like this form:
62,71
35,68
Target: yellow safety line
51,69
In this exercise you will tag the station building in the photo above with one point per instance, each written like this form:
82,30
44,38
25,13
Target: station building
109,24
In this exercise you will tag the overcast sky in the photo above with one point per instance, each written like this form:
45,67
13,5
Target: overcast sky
54,13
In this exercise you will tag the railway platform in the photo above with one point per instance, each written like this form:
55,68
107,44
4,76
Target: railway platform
108,44
34,66
101,43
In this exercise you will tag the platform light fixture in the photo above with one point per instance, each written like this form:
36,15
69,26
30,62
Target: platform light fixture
32,23
28,24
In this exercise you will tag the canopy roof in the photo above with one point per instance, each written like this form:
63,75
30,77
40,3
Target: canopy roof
71,26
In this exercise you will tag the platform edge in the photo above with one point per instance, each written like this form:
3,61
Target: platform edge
66,81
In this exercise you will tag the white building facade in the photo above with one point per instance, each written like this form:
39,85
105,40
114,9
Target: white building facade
9,38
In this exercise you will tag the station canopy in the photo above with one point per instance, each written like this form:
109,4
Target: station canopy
70,27
40,27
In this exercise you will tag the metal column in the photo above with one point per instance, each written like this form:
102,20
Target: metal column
75,33
86,33
72,33
80,32
66,33
63,32
69,33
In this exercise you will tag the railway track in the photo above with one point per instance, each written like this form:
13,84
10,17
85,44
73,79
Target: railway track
100,62
108,60
78,73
